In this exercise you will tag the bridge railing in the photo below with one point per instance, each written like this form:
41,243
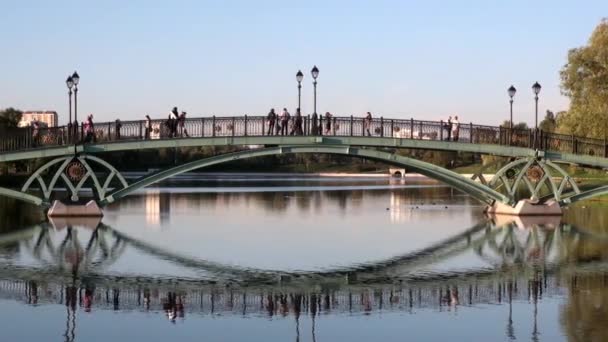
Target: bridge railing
18,139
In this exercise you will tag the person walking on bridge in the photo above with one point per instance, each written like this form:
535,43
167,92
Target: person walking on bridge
182,125
328,118
448,127
284,121
296,129
35,133
117,127
272,118
89,130
367,124
172,122
148,127
455,128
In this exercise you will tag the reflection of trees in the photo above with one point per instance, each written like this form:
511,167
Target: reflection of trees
15,214
588,214
583,317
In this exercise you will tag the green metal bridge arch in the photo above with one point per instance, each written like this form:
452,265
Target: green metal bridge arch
348,136
477,190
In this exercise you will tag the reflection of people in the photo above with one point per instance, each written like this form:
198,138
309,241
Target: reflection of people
70,297
173,306
116,299
454,296
88,298
32,297
270,305
147,299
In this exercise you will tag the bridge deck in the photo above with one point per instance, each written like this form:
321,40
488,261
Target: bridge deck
27,143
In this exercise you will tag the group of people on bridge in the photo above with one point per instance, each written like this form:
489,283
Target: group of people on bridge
272,124
285,124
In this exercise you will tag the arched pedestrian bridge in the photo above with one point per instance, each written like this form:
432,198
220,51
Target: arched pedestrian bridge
535,156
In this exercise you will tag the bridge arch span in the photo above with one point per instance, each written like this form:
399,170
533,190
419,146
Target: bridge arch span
477,190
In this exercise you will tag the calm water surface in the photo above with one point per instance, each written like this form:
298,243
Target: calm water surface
232,258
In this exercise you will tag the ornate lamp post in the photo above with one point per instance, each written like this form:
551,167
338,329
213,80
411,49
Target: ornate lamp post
299,77
536,88
315,73
511,92
70,83
75,80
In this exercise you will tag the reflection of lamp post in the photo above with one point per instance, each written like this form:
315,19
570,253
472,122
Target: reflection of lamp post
536,88
299,77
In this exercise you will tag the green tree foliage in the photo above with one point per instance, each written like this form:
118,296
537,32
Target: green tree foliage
585,81
10,117
521,125
549,123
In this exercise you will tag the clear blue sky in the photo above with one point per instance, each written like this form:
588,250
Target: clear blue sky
423,59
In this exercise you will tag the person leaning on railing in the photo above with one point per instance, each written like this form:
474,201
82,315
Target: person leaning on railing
455,128
118,126
89,129
328,117
272,118
182,125
296,128
284,121
35,133
148,127
367,123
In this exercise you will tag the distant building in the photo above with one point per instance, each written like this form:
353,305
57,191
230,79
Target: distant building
46,117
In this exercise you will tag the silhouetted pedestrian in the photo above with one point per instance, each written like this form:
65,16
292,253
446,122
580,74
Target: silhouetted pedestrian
117,127
367,123
328,117
284,121
148,127
272,118
89,130
35,133
455,128
172,122
297,124
182,125
448,127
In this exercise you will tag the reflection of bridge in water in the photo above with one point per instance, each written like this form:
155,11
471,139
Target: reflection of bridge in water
520,264
509,254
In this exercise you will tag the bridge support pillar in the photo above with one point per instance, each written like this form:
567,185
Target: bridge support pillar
397,172
526,207
91,209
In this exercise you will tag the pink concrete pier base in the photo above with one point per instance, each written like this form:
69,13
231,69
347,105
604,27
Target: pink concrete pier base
526,208
91,209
